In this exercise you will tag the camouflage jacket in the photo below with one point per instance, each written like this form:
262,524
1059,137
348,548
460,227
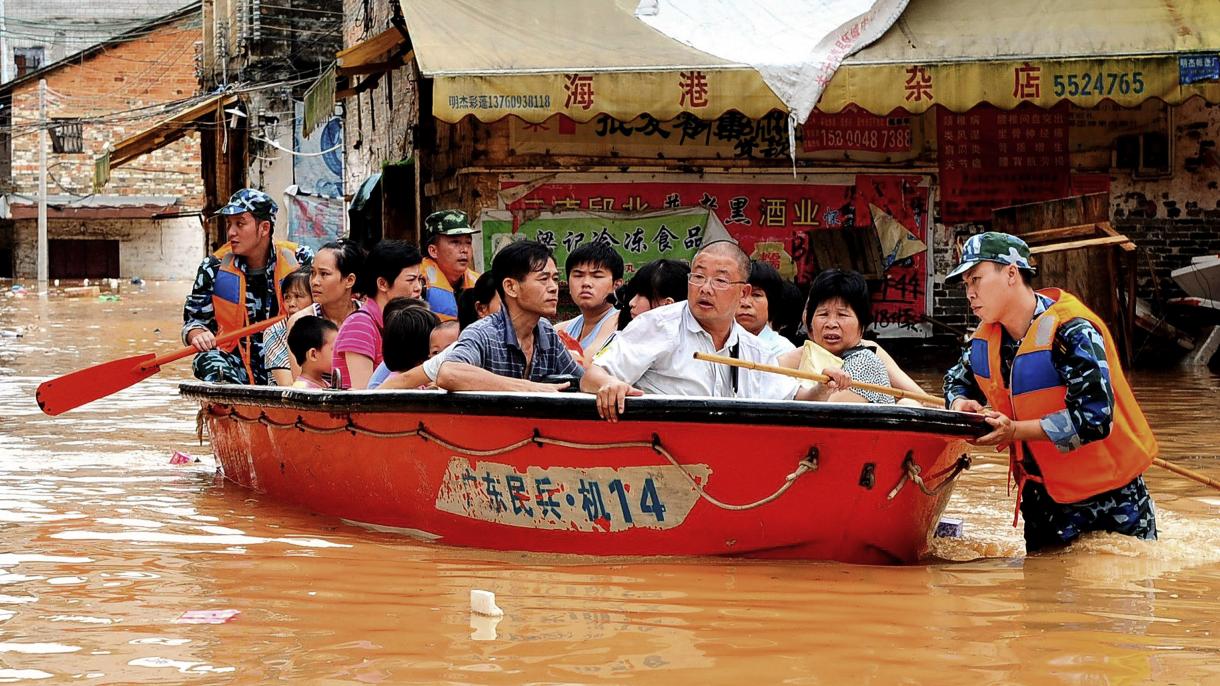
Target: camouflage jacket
1079,355
261,303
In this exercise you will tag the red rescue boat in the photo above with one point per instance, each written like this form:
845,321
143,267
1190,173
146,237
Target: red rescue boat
541,472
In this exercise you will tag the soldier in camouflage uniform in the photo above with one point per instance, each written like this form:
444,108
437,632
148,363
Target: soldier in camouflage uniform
245,272
1080,376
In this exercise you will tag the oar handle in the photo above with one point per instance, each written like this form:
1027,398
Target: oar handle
220,340
1188,473
815,376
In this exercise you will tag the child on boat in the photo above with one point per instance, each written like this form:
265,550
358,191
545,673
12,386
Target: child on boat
312,342
297,296
594,271
408,334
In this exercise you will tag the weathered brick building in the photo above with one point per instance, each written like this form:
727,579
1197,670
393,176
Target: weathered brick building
513,115
146,222
267,55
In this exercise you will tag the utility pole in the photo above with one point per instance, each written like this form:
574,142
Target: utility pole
5,75
42,186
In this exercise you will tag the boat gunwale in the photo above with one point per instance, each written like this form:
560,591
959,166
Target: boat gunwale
580,406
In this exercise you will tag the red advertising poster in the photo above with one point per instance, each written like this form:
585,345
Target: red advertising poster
772,221
991,158
857,129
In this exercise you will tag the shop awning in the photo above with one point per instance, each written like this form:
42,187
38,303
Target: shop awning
537,58
157,136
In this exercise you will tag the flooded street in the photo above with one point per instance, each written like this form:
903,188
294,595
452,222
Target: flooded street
104,544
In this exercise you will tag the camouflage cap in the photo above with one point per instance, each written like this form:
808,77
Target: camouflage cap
250,200
992,246
448,223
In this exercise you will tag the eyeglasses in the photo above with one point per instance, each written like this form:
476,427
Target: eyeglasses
718,283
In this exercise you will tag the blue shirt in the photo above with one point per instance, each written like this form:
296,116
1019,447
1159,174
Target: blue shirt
491,344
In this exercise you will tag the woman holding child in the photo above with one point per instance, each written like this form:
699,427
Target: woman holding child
332,279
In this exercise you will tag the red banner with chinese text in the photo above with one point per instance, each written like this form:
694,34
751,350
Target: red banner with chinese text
990,158
779,216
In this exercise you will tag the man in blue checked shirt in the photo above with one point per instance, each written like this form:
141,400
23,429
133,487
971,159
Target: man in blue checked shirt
516,348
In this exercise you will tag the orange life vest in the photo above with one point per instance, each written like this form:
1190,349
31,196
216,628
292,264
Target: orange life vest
440,292
1036,390
229,296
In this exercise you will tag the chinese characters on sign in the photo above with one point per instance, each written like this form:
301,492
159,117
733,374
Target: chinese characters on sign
990,158
595,499
771,221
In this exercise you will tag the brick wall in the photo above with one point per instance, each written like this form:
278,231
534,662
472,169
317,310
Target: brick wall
378,124
1175,218
153,249
157,68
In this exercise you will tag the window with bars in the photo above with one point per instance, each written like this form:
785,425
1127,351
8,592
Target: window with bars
67,136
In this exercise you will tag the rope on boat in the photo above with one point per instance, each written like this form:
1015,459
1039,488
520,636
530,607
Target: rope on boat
911,472
807,464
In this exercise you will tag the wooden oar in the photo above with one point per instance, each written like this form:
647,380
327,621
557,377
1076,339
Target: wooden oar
1188,473
814,376
70,391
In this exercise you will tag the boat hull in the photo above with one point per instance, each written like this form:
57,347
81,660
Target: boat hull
541,473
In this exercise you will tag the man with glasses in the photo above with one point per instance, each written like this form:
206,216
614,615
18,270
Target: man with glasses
655,353
237,286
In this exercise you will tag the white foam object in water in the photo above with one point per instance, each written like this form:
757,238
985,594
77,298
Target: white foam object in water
484,603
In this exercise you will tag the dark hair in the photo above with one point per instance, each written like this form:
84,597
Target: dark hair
766,278
298,278
308,333
845,285
406,337
397,305
386,261
786,314
660,279
481,293
595,254
516,260
349,256
1026,275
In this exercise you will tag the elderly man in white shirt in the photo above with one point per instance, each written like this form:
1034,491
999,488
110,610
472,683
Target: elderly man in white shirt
655,353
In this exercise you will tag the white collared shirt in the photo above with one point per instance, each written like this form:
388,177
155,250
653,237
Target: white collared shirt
656,354
777,343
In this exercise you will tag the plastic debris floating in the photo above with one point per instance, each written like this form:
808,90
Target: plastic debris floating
484,603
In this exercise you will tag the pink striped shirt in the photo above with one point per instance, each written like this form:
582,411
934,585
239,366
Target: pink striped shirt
361,334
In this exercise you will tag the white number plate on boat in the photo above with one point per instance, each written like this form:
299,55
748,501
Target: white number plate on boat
591,499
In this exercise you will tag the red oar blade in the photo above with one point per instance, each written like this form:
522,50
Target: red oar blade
59,395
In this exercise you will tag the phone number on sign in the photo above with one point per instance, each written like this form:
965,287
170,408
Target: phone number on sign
874,140
1099,83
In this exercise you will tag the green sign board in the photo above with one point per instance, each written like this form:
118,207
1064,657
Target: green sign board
639,237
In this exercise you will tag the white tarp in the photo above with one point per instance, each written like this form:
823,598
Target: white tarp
796,45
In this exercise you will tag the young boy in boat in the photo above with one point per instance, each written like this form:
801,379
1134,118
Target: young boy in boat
1060,402
594,271
516,349
297,297
239,286
312,342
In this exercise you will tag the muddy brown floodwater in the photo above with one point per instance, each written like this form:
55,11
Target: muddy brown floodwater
104,544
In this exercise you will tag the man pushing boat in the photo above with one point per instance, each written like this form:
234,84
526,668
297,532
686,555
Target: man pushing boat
1059,400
